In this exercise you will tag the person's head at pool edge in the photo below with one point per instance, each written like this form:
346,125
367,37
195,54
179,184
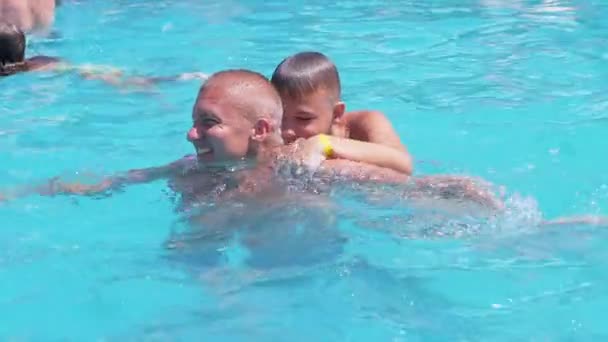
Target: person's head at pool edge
12,50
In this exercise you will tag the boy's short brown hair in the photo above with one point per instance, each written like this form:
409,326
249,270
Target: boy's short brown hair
306,72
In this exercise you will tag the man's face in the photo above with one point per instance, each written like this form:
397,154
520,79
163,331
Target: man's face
220,131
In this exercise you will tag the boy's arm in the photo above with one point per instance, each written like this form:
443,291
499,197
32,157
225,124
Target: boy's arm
331,147
371,153
312,151
373,127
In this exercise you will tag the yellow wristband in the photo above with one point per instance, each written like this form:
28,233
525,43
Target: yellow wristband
328,150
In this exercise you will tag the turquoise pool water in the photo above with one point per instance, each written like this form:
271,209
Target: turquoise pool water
512,91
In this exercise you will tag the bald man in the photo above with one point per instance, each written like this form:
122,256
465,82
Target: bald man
29,15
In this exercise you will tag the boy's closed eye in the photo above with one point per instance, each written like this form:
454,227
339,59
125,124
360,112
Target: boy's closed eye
305,117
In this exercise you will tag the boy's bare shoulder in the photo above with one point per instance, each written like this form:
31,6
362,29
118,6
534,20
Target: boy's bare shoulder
363,120
372,126
365,115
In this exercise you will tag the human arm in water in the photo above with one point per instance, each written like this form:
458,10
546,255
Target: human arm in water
380,143
308,157
444,191
453,194
116,77
587,220
55,186
110,75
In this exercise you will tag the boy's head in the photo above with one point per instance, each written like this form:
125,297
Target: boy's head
12,47
309,85
235,114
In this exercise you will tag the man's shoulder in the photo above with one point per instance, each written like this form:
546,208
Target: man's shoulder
183,164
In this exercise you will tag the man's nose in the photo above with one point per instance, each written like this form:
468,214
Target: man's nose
193,134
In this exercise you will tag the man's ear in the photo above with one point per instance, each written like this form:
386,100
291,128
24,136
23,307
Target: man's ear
338,112
260,130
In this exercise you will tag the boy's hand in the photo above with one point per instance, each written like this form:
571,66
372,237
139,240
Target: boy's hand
304,156
312,152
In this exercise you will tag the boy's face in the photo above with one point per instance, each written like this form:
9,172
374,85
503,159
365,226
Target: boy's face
310,115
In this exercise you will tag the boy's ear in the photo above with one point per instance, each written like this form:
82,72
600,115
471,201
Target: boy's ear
260,130
338,112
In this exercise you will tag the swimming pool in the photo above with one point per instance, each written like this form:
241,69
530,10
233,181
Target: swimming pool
512,91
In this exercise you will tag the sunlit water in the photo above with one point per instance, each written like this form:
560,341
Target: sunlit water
511,91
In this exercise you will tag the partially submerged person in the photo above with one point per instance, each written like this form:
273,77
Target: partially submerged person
310,89
13,61
12,53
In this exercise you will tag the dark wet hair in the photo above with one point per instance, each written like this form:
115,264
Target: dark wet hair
304,73
12,49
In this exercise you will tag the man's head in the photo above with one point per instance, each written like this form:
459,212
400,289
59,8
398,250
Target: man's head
237,112
12,47
309,85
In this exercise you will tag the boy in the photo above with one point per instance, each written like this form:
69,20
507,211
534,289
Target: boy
309,85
